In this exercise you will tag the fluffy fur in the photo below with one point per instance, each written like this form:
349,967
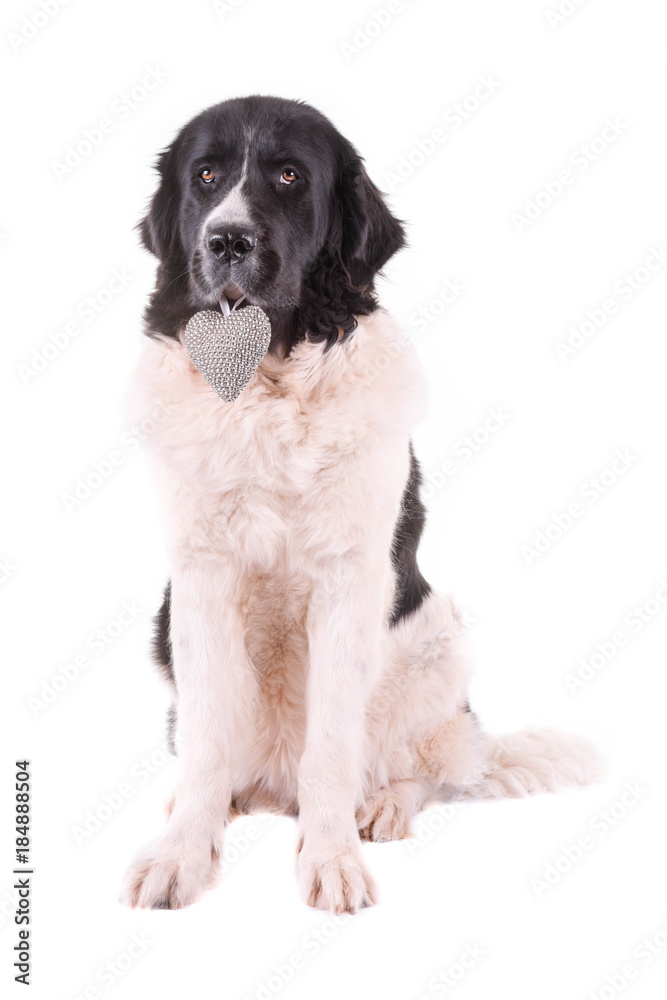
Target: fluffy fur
314,671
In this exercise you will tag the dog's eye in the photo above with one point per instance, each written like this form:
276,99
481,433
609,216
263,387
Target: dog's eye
207,175
288,176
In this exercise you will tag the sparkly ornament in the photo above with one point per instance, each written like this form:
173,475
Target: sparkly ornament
227,349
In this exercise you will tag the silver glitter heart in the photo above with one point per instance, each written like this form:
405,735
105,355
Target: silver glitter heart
227,350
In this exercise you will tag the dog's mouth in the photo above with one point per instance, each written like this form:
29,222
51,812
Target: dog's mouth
232,298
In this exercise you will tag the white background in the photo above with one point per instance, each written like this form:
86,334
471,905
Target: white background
467,878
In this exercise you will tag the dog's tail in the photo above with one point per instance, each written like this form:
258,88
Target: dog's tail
535,760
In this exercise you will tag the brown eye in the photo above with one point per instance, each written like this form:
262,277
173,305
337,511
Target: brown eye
288,176
207,175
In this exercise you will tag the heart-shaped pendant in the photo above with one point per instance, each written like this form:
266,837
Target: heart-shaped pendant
227,350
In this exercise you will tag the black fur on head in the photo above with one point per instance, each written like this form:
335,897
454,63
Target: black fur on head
263,197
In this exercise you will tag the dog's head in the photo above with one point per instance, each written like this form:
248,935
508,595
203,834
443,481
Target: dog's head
263,198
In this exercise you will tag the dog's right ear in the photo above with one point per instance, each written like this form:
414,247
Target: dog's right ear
159,228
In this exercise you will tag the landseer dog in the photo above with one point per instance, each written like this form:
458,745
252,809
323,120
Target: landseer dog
315,673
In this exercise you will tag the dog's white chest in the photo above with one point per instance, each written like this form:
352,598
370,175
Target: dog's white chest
311,453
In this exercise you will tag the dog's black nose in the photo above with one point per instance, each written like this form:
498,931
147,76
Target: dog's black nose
232,245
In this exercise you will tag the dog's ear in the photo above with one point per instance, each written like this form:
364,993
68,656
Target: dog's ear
159,228
362,236
371,235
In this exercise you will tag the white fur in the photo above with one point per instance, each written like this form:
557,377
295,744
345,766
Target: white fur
293,692
234,208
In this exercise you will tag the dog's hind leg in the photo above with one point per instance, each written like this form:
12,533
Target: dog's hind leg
452,755
421,730
445,760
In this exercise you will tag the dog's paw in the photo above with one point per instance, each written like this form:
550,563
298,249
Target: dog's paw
163,878
383,817
336,880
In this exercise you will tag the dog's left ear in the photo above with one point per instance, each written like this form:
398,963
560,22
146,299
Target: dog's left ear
371,235
362,236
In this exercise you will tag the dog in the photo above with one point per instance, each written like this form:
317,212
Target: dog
315,672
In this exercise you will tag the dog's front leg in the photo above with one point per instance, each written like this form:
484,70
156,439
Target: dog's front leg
213,683
344,628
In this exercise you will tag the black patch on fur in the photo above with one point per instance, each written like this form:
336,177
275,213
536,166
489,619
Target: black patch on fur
162,652
411,587
467,710
163,656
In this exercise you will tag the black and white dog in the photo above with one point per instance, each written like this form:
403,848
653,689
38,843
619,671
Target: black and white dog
315,672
